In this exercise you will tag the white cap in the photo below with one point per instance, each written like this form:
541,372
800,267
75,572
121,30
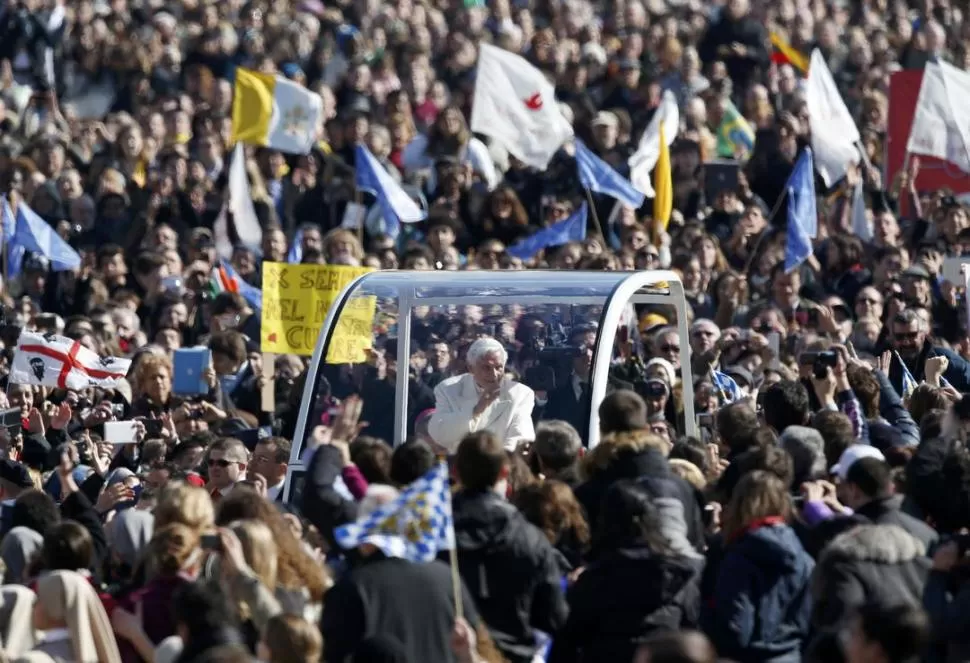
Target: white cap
851,455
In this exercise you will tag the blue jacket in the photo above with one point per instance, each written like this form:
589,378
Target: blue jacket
957,373
762,603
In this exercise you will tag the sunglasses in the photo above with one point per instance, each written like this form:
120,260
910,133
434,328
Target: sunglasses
222,462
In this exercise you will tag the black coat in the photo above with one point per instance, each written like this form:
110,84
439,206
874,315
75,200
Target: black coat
676,498
869,563
409,601
622,598
511,570
323,505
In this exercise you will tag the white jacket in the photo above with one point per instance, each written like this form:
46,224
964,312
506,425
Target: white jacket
509,417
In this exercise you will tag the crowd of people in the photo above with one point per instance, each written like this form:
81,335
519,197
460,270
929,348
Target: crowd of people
821,513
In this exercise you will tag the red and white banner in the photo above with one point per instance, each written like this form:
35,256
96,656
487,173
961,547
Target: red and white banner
56,361
934,174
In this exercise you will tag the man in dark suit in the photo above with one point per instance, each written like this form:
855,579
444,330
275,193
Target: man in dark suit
570,402
271,458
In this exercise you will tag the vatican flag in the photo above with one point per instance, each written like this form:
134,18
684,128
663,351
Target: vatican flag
272,111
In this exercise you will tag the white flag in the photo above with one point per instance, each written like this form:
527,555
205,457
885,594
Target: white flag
57,361
834,134
244,217
516,105
940,127
648,151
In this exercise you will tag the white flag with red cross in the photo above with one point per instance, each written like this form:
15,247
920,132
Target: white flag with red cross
49,360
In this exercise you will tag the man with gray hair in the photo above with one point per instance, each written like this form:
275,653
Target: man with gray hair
482,399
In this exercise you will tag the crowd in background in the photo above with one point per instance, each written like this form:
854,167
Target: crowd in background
820,514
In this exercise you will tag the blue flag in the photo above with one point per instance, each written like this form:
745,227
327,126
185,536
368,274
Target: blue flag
802,214
572,229
254,296
295,256
396,205
597,175
36,235
414,526
726,385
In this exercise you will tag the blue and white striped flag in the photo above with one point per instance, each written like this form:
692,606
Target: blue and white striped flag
415,526
396,205
726,386
599,176
909,382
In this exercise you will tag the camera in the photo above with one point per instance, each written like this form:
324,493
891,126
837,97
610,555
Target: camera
823,362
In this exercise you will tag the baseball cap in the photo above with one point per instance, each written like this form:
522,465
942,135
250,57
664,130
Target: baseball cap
851,455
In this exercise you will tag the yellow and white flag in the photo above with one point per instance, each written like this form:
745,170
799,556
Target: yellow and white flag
272,111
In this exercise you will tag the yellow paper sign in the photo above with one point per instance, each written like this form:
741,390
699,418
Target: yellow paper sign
296,299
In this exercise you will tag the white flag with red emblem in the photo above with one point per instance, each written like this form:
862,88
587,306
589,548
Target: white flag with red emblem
516,105
49,360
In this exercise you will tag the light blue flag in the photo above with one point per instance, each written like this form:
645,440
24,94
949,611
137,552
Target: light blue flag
802,214
36,235
572,229
295,255
396,205
414,526
252,295
15,254
726,386
599,176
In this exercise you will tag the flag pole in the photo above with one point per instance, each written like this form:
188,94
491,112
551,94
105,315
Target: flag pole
592,210
455,580
360,223
767,230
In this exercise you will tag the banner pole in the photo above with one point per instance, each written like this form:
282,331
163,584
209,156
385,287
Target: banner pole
592,210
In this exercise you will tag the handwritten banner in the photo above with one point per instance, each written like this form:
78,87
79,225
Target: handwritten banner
296,299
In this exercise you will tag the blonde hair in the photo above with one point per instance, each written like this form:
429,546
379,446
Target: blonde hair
689,472
259,549
146,363
342,234
172,547
292,639
185,504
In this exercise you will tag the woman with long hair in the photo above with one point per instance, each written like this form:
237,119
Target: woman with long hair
503,217
449,138
762,600
301,581
634,585
552,507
